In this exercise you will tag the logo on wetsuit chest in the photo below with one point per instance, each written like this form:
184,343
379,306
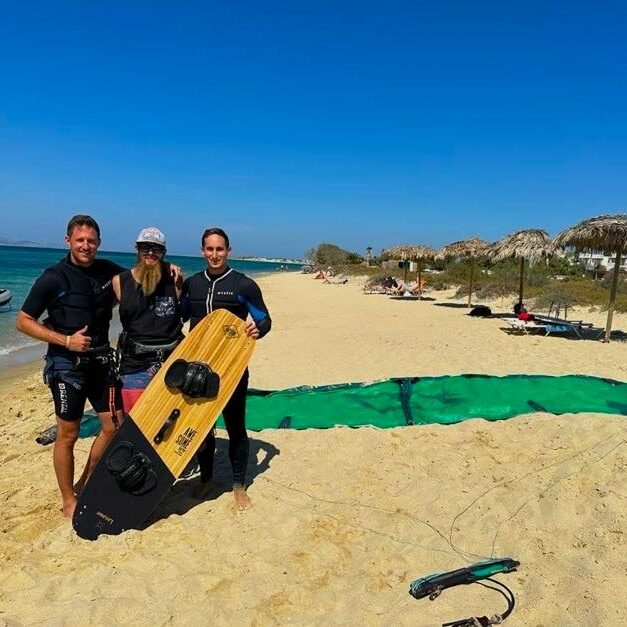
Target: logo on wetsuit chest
225,293
184,440
165,306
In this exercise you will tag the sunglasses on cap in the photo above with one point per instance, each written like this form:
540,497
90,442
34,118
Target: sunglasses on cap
156,249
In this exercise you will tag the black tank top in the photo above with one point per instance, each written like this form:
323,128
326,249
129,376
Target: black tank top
148,320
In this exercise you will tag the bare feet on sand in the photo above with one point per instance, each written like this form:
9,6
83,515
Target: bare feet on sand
242,500
68,508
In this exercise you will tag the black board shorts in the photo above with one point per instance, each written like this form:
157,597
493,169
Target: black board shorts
72,386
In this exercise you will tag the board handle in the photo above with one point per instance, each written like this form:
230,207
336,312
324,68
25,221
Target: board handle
170,420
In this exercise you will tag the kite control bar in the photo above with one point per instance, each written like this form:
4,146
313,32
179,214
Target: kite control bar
433,585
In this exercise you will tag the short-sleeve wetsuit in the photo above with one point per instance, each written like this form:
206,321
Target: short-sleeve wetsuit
75,297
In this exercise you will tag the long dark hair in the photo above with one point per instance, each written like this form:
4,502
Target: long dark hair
214,231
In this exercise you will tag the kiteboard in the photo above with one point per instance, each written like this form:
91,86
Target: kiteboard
165,427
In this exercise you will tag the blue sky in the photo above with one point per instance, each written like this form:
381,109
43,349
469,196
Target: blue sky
294,123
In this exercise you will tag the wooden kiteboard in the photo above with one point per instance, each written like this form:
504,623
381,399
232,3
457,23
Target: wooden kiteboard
163,431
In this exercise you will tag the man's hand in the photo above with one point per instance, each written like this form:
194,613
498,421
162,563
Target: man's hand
177,274
79,342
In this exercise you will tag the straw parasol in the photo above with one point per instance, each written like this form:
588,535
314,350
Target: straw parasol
409,252
607,234
470,249
531,245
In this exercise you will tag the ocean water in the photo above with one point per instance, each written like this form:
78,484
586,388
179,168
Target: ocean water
20,267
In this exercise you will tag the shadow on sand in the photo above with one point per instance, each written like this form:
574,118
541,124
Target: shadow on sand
411,298
181,498
454,305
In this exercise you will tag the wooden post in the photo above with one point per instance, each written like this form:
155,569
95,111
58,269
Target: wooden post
472,272
610,307
522,277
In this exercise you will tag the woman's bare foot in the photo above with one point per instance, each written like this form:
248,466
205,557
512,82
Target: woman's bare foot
241,498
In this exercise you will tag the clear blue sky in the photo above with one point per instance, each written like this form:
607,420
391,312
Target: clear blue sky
293,123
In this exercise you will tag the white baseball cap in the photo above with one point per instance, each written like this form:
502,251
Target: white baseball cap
151,235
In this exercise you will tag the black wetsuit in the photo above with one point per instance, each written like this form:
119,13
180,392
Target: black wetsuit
239,294
75,297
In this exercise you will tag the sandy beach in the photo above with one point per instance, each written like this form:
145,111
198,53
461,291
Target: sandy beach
344,519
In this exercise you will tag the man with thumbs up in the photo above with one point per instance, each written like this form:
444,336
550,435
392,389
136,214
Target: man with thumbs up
78,296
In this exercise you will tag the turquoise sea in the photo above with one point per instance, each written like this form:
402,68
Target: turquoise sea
20,266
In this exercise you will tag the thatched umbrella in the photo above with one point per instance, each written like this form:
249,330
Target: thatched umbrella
529,244
408,252
607,234
470,249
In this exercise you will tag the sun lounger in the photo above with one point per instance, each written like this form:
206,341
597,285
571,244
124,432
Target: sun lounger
525,326
550,326
340,279
558,325
375,290
405,296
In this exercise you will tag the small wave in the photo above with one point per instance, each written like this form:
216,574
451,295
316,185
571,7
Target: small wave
12,348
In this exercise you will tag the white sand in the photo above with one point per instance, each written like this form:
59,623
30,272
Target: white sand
344,519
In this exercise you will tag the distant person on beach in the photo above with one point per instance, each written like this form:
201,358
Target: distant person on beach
389,283
521,312
414,288
150,314
78,296
221,287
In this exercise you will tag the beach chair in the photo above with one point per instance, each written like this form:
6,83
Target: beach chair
575,327
561,324
552,326
527,327
404,296
340,279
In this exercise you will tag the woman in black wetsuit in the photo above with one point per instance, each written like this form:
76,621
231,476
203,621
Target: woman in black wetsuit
221,287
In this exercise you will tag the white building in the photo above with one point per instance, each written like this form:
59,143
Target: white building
591,261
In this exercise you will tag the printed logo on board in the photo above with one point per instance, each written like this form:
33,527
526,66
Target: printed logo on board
230,331
104,517
184,440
